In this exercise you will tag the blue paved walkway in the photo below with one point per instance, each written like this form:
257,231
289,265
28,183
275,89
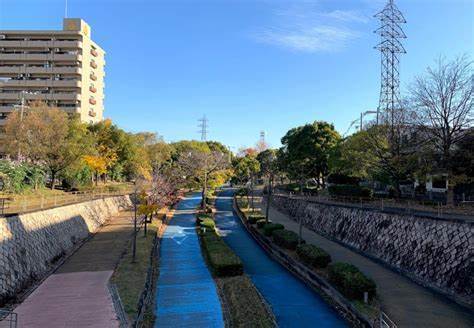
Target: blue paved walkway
186,293
294,304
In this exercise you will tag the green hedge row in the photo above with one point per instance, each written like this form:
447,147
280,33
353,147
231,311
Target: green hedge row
285,238
208,223
350,281
202,216
222,260
350,191
253,218
261,223
269,228
242,192
313,256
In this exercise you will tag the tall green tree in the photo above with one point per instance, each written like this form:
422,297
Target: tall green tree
199,165
353,157
306,151
269,168
49,137
245,170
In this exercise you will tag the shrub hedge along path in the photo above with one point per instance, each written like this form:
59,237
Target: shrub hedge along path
293,303
407,303
186,293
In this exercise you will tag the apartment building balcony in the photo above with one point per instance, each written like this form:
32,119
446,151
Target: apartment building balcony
41,83
92,101
15,70
23,69
67,108
27,44
92,113
92,89
16,96
94,52
40,57
93,77
93,64
7,109
70,109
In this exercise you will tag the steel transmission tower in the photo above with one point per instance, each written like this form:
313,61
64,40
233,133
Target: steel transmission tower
262,137
203,125
390,47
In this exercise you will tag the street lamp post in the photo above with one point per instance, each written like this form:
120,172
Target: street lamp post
361,125
134,243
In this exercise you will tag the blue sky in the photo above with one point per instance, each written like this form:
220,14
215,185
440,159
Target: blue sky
248,65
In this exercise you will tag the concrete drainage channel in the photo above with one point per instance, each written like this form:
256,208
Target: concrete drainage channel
292,302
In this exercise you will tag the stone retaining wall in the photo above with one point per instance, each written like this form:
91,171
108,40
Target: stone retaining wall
436,253
30,244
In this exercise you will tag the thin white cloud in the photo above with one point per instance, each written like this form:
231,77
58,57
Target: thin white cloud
311,39
346,16
307,29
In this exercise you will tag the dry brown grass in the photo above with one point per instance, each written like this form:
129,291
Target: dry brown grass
243,303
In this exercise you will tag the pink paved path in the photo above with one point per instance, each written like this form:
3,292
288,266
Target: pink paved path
77,294
78,299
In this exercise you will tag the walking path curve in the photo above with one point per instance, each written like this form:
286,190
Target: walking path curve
186,293
407,303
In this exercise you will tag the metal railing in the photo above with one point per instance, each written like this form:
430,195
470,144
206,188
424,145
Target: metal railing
22,204
385,321
8,319
461,210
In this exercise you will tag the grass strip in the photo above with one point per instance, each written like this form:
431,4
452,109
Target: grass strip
244,303
130,277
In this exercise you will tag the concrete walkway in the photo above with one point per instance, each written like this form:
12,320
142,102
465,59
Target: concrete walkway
186,293
407,303
77,294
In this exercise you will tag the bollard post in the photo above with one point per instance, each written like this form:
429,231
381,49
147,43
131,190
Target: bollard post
366,297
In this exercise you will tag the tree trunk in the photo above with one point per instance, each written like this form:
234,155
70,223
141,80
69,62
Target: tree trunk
269,198
53,178
145,227
251,190
204,192
450,193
